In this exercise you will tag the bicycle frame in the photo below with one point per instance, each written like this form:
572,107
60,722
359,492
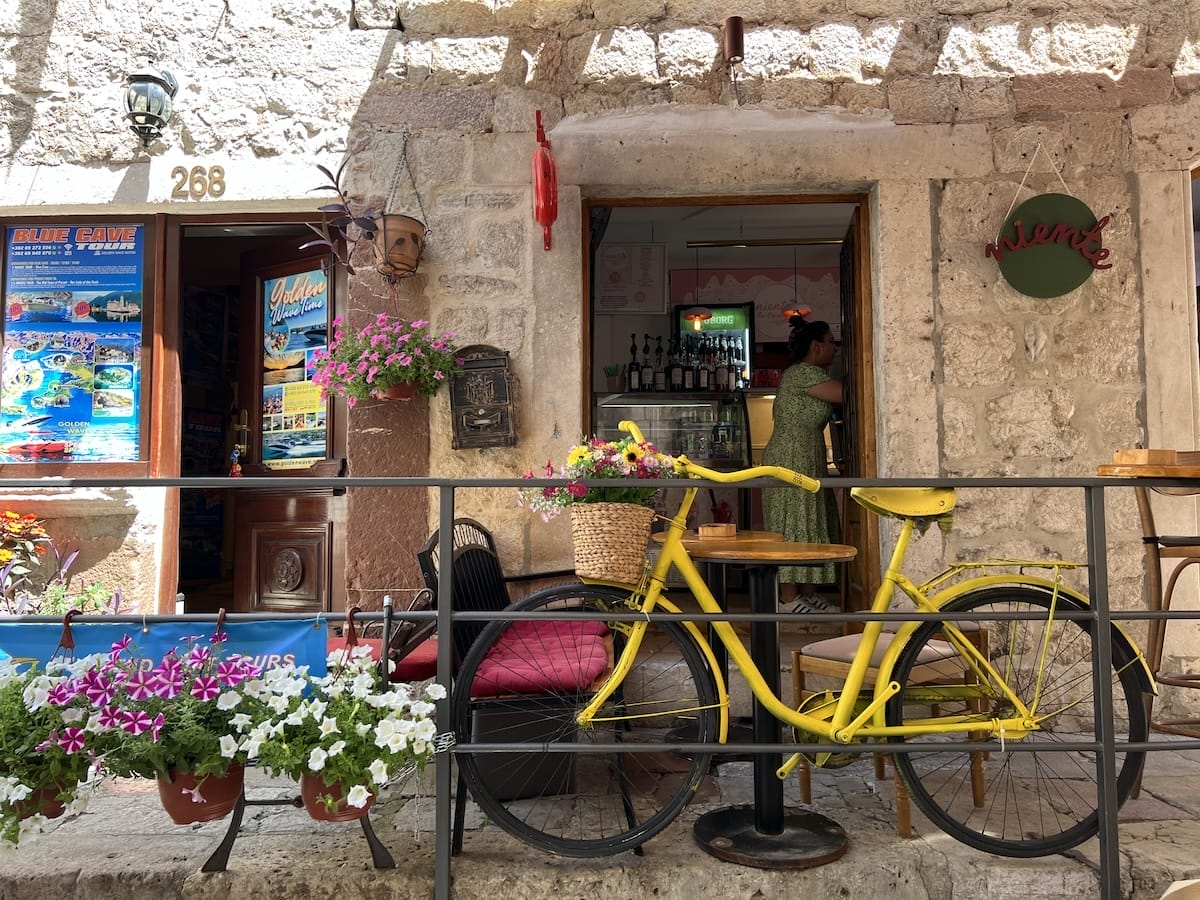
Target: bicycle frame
847,720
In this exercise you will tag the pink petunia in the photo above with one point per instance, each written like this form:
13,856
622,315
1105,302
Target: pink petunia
72,740
62,694
136,721
110,717
206,687
198,656
120,646
219,637
168,686
141,686
156,727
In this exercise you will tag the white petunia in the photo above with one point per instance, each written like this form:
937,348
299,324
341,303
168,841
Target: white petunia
358,796
316,759
229,746
228,700
379,771
329,726
336,747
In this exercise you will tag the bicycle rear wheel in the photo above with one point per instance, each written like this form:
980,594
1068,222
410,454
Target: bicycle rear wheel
592,803
1012,798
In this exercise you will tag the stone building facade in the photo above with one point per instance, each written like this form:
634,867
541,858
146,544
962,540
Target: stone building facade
943,112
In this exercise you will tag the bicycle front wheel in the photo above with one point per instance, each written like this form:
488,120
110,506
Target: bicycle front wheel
1018,798
517,684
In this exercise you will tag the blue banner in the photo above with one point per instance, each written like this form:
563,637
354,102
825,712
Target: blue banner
269,643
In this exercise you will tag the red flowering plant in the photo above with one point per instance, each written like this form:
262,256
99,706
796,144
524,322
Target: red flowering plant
598,458
190,711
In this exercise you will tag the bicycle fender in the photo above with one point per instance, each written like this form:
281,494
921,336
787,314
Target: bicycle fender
953,592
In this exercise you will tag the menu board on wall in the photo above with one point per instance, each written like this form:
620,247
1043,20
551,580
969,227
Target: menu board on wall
631,279
71,372
295,326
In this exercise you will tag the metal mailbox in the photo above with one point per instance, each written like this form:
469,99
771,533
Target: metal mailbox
481,400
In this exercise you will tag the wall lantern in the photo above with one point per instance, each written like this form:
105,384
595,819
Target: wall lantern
733,43
698,315
148,97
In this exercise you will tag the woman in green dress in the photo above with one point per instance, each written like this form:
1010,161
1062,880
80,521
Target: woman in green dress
803,405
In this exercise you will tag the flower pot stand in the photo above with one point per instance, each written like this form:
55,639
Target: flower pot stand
381,858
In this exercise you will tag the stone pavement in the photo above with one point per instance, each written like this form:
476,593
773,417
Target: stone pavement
125,848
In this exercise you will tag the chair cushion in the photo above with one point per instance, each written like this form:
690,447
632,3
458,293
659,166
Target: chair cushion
842,649
534,657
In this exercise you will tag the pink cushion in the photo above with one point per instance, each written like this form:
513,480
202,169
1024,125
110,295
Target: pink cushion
535,657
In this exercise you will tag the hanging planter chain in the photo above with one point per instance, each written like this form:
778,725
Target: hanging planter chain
403,164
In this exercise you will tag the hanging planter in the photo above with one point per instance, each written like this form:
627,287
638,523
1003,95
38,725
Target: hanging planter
327,802
402,240
396,240
188,799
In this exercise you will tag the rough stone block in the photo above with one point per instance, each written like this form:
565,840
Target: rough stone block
1057,93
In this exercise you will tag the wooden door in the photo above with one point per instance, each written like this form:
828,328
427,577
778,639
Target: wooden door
289,550
858,413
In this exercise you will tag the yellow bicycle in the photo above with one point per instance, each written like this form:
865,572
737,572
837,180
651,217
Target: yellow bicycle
975,734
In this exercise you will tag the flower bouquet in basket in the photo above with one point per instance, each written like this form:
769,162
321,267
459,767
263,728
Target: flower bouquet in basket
610,526
183,720
345,735
43,752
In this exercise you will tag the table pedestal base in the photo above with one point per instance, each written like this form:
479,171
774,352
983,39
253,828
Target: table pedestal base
808,839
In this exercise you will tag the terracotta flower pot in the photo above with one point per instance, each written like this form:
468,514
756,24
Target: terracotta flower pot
312,788
404,391
43,800
402,239
219,795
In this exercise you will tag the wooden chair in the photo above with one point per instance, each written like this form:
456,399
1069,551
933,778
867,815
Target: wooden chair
1183,551
479,585
832,658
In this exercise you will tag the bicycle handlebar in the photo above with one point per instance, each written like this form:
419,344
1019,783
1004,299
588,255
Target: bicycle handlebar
687,468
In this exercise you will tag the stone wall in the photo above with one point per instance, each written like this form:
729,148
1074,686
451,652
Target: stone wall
946,112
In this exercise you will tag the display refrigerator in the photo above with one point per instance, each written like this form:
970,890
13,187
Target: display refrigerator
712,337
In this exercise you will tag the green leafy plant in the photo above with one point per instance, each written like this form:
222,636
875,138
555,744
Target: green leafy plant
348,730
43,747
361,363
598,458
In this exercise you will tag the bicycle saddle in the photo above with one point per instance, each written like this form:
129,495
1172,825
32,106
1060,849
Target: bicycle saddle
905,502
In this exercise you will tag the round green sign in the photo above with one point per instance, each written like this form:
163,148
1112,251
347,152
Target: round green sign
1050,245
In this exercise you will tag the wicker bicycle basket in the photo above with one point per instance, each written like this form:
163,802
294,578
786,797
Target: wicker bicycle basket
610,540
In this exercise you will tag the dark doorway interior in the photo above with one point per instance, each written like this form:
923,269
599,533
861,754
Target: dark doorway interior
212,315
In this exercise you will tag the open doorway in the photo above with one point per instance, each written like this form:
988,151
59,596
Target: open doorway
215,407
735,269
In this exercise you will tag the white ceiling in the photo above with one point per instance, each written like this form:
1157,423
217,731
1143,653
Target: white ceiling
674,226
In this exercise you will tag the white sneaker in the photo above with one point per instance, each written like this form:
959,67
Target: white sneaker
801,605
820,604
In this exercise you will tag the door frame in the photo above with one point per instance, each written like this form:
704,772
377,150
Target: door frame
865,573
167,387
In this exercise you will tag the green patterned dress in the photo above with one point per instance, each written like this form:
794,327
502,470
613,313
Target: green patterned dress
798,442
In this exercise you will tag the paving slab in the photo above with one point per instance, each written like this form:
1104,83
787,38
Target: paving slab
123,847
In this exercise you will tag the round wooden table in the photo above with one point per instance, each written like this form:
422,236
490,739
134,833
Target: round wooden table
764,834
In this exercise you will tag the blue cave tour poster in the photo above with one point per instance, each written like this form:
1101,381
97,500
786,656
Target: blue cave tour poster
70,379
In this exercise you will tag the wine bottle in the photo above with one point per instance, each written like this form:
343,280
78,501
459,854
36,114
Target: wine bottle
647,368
676,380
634,370
660,372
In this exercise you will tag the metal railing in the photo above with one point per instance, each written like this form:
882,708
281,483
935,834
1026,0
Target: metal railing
1101,613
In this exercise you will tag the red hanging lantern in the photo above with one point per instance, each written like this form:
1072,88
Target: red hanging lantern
545,184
